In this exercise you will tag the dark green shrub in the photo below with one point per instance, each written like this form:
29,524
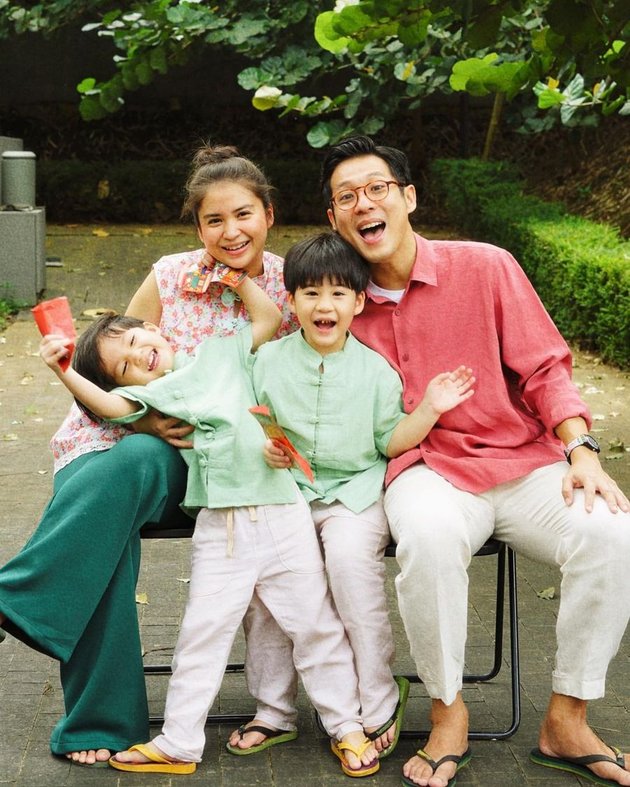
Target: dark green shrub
580,269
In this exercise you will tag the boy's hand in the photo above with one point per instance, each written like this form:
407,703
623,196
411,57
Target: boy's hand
449,389
275,456
53,348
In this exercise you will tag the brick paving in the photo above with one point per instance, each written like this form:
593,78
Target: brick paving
102,272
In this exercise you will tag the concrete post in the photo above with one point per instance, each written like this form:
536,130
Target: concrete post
18,179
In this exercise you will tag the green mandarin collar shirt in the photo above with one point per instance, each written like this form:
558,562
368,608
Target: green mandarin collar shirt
213,392
339,411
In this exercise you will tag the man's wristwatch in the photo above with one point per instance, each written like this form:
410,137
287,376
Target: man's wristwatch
584,439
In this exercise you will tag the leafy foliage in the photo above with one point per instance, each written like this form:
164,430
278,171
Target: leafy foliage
565,60
579,268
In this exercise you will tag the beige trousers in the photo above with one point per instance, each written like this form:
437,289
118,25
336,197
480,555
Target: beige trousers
438,528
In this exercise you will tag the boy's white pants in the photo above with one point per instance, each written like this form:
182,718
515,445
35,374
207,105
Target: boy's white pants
353,546
276,556
438,528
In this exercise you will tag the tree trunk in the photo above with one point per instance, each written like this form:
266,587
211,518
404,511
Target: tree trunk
495,118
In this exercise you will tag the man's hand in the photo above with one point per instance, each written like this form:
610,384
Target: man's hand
586,472
275,456
172,430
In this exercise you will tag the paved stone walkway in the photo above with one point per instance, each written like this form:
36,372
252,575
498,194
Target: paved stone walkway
102,271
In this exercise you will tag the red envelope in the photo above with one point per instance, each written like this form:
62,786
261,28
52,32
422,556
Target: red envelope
54,316
275,432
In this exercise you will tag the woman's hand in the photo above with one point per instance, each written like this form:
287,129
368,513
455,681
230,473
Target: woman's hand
172,430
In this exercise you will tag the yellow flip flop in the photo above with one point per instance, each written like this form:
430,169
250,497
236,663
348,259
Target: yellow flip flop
157,764
338,748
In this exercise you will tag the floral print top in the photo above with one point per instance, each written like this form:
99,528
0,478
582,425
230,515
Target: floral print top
187,319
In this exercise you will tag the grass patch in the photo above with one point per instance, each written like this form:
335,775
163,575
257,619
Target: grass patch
9,307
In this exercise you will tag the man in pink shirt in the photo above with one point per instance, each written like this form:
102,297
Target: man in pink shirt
493,467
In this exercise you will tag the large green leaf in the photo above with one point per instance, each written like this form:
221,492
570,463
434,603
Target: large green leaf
327,36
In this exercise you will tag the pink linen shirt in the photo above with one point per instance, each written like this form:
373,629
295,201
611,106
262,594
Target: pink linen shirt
187,319
471,303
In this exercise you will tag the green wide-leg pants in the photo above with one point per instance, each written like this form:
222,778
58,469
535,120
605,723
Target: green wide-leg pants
70,592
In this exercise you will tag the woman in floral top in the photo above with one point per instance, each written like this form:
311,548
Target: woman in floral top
70,592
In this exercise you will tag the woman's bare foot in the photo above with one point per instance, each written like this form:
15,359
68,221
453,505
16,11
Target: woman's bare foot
89,756
246,740
449,735
565,733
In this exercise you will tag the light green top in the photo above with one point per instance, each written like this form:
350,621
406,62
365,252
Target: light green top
339,411
213,392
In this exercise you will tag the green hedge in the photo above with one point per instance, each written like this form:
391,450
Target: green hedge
580,269
153,191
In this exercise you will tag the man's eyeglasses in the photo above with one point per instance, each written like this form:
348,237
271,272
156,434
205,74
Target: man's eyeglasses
375,190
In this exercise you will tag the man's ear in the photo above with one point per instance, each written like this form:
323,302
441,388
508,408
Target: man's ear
150,326
360,303
331,218
291,302
410,198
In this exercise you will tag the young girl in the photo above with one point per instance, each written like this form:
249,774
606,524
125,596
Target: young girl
253,533
229,200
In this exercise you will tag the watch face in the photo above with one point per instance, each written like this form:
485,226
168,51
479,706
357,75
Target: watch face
590,442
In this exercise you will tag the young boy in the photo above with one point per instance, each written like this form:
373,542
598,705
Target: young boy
253,533
340,405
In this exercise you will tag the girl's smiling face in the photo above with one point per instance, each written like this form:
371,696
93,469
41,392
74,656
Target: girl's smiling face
136,356
233,226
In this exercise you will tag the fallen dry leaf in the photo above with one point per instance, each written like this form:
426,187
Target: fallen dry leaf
547,594
142,598
94,313
100,233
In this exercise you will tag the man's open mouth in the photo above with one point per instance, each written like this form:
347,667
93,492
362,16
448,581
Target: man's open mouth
373,230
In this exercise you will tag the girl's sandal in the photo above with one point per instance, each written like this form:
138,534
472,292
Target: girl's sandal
338,748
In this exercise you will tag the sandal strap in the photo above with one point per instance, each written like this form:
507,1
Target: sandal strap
356,750
383,728
435,765
266,731
151,755
591,759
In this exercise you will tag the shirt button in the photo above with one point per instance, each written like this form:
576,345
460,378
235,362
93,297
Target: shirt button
397,312
410,400
405,357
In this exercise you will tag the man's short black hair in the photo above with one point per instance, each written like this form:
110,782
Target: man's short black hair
351,147
324,256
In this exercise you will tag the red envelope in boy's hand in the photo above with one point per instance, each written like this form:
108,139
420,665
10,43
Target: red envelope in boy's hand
275,432
54,316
